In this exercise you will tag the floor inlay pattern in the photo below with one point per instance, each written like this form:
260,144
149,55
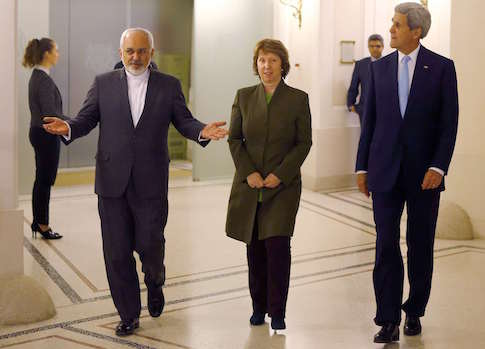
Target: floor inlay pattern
331,301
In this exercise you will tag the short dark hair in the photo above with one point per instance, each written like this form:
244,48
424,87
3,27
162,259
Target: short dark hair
35,50
376,37
276,47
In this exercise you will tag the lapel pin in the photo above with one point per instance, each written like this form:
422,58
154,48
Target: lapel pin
425,67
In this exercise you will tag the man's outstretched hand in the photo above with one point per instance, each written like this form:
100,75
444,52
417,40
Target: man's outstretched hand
214,131
55,126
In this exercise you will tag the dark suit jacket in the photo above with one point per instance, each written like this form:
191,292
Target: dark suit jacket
274,138
44,98
120,65
359,77
425,137
124,150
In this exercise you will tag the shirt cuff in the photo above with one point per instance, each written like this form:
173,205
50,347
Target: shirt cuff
199,139
436,169
360,172
68,137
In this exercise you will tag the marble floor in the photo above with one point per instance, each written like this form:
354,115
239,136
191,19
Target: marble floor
331,300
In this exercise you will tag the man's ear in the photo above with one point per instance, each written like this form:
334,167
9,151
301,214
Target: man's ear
121,53
152,53
417,32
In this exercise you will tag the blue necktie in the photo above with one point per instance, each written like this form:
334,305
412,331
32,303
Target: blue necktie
404,85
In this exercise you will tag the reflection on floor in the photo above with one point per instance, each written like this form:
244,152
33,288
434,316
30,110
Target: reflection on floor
331,302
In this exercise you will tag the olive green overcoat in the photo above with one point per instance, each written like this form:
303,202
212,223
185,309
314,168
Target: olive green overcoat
267,138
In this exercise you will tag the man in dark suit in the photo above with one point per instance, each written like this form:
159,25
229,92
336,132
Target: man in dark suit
361,73
134,107
406,145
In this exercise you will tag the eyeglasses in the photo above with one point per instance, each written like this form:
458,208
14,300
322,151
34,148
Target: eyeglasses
375,46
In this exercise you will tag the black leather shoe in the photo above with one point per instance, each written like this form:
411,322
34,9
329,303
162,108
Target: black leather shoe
126,328
278,323
257,319
412,326
156,301
388,333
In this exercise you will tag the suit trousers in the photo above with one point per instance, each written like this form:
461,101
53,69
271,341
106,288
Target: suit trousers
388,275
269,264
130,223
46,148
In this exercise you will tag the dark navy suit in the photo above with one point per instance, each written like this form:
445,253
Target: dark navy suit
359,77
132,177
396,152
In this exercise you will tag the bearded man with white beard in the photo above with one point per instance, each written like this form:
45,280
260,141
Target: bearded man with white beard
134,107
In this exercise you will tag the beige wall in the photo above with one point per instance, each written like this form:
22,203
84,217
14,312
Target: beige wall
224,35
11,218
8,146
465,179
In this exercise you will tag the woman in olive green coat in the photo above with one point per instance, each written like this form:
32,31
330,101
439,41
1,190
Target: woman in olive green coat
269,138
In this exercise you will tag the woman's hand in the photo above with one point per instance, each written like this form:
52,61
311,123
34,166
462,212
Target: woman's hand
255,180
271,181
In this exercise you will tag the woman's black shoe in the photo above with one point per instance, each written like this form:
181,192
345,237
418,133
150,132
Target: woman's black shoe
278,323
48,234
257,319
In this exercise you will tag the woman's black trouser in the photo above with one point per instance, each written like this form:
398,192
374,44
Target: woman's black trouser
269,263
47,149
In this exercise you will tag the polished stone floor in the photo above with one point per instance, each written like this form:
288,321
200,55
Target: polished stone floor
331,301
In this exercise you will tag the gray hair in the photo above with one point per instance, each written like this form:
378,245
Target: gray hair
129,30
418,16
376,37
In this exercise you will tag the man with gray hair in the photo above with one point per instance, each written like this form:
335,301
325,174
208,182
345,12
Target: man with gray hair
375,44
405,149
134,107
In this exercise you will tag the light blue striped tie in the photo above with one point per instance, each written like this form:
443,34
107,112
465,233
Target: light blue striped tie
404,85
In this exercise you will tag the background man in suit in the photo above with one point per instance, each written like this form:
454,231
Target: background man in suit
134,107
361,73
406,145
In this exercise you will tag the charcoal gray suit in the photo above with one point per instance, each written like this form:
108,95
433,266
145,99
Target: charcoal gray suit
132,176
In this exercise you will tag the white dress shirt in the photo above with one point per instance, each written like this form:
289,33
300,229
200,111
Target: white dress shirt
411,64
137,91
411,67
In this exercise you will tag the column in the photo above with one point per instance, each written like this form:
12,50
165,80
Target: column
22,300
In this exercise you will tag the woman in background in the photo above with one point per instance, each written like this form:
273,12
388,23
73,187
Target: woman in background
269,138
44,99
